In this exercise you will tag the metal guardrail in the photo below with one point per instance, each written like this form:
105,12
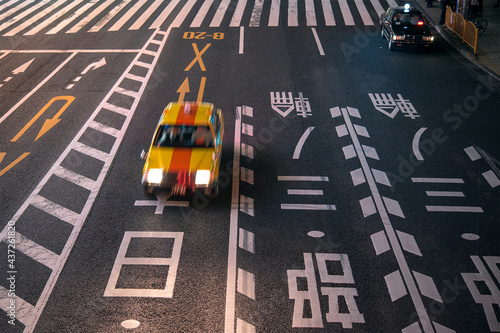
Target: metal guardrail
463,28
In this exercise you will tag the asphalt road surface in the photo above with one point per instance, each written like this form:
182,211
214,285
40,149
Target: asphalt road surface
359,186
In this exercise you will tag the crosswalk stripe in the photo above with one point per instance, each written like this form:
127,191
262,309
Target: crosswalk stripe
164,14
141,20
117,26
346,12
202,13
238,13
90,17
109,16
293,15
365,16
70,19
274,15
256,13
219,15
310,14
35,18
17,13
50,20
14,9
328,12
183,13
21,16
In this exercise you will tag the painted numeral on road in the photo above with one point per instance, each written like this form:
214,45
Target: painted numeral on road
121,260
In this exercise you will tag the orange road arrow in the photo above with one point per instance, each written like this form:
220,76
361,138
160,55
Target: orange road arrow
11,165
49,123
183,89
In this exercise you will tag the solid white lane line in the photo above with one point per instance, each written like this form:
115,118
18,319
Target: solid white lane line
242,40
300,144
54,72
391,234
233,229
318,42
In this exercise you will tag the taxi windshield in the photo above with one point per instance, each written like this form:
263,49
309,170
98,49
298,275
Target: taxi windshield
408,19
183,136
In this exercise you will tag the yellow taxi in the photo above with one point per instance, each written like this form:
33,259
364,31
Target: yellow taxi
186,149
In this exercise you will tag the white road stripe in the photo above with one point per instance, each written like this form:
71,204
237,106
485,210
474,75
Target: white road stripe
70,19
444,194
233,229
144,17
92,152
380,243
391,234
104,129
310,14
238,13
437,180
183,13
346,12
124,19
98,26
23,308
14,9
247,240
52,18
22,15
491,178
246,283
300,144
8,4
365,16
74,178
454,209
304,192
293,15
318,42
308,207
472,152
56,210
202,13
89,17
242,40
256,13
377,6
35,251
303,178
395,285
219,15
274,15
328,12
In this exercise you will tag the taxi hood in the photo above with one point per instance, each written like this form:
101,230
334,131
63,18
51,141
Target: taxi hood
180,159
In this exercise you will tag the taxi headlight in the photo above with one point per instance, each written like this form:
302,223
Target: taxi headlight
155,176
396,37
428,38
202,177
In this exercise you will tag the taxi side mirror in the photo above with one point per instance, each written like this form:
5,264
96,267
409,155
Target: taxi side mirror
144,155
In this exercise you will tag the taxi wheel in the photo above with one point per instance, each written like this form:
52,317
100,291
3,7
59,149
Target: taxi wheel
148,190
382,33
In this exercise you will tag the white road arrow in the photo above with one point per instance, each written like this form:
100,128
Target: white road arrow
22,68
94,65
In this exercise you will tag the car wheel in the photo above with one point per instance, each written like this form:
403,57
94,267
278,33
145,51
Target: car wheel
382,33
148,190
391,45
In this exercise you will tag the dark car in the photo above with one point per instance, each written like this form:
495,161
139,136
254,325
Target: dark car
405,26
